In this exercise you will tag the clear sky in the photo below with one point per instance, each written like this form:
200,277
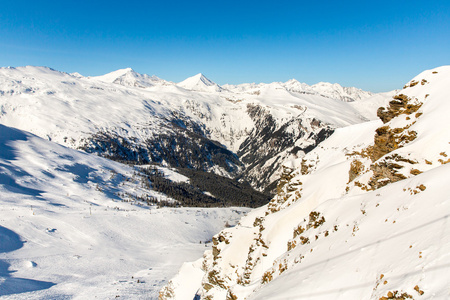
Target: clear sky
373,45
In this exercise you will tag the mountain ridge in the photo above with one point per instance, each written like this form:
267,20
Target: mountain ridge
129,77
200,82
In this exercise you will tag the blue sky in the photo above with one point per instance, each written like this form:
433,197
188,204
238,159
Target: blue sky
374,45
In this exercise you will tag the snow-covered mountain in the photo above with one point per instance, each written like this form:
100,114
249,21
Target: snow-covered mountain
362,216
128,77
360,212
131,117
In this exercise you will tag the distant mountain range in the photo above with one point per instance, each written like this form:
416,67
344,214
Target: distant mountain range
243,132
128,77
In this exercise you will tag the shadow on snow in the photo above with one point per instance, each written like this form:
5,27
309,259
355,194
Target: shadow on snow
10,241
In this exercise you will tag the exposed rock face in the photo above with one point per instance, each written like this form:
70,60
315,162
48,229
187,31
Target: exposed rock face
356,169
388,139
269,144
401,104
286,186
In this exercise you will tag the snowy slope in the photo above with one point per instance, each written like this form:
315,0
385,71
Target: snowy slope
135,117
71,226
367,107
362,216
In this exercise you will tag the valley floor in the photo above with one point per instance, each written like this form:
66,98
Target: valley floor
77,254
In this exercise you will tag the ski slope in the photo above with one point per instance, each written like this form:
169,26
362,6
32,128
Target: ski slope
67,234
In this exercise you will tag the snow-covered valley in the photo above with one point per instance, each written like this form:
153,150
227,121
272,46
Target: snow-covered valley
70,227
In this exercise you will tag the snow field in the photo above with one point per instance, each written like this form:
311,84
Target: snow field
66,234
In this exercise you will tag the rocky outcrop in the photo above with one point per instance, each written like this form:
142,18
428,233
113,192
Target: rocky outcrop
385,167
401,104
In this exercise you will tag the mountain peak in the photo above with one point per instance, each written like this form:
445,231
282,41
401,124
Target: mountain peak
200,82
112,76
199,75
129,77
197,79
76,74
292,80
122,71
